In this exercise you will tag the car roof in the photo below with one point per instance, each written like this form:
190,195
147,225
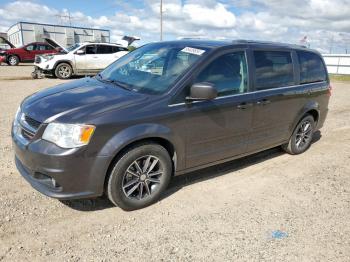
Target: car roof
212,44
93,43
199,43
41,43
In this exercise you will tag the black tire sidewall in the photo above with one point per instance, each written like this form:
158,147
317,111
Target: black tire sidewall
293,146
57,73
114,186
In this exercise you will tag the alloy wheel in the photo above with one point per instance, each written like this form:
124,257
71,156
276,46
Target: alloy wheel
142,177
13,60
64,71
304,135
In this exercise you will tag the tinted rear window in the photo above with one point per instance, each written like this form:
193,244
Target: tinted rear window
273,69
311,68
117,49
104,49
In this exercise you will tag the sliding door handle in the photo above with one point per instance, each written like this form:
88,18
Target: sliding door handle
263,102
244,105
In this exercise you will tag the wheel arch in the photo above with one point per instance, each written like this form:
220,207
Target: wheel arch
16,55
312,108
157,140
315,114
63,61
152,133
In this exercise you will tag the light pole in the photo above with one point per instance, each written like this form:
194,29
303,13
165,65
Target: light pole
161,20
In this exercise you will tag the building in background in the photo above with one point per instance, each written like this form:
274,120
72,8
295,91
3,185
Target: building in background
23,33
337,63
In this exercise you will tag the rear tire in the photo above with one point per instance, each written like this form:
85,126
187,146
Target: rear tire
13,60
63,71
302,136
139,176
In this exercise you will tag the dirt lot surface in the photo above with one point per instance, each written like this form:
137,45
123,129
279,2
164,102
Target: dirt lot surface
266,207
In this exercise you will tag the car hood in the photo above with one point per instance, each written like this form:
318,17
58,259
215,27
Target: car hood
78,101
7,42
52,54
55,44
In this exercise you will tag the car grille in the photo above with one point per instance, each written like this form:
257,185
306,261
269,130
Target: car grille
37,59
28,126
27,134
32,122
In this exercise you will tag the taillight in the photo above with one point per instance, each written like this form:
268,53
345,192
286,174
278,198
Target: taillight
330,88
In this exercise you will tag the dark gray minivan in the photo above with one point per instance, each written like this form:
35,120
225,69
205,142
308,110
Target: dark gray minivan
166,109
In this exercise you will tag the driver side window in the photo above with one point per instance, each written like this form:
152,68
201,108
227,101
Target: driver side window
30,47
228,73
90,49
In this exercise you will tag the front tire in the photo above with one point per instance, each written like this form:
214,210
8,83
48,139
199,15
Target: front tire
63,71
13,60
302,136
139,176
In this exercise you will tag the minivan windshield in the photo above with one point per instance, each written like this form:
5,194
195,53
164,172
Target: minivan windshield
153,68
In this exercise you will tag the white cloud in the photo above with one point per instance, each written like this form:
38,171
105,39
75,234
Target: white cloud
216,17
273,20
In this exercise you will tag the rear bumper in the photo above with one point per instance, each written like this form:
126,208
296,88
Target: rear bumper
322,119
60,173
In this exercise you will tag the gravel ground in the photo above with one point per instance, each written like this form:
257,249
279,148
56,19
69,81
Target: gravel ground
267,207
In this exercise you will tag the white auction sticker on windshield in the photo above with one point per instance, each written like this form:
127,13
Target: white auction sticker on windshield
194,51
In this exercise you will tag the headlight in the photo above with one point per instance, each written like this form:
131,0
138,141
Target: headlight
16,121
68,135
18,112
47,58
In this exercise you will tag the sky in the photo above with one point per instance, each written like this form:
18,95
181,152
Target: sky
325,23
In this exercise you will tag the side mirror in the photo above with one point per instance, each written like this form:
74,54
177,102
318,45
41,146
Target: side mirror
202,91
80,52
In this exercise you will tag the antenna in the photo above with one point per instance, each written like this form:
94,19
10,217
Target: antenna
65,15
161,20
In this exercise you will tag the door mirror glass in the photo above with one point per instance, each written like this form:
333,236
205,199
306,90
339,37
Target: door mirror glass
202,91
80,52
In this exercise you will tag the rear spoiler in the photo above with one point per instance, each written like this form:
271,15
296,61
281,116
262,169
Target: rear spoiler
7,42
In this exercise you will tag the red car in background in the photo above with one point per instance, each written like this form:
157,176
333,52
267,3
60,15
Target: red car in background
25,53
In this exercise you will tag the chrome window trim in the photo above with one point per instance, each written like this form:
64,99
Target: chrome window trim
251,92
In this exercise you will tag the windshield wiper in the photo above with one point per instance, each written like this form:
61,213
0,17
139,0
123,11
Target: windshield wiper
115,82
121,84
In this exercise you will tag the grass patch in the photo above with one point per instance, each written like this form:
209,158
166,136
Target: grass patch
339,77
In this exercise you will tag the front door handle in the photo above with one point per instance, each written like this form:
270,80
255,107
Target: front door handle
244,105
263,102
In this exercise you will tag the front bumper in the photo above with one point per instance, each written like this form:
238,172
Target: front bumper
2,59
58,172
44,65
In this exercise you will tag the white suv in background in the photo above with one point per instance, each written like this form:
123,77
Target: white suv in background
79,59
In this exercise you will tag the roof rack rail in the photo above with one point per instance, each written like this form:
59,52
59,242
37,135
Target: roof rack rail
245,41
